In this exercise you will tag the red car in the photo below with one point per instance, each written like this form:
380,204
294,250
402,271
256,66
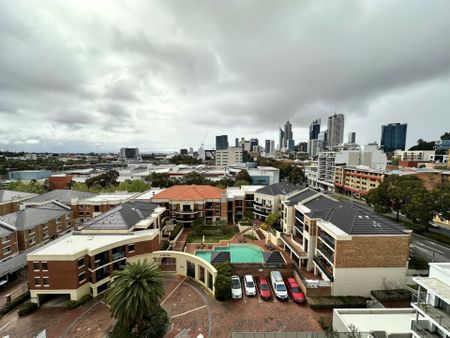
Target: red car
294,291
264,288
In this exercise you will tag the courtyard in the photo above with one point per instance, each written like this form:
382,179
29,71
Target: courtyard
192,311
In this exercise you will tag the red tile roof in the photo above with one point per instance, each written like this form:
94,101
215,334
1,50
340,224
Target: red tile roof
189,193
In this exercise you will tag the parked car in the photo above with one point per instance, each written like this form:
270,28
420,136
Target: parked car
249,285
278,286
264,288
294,290
236,289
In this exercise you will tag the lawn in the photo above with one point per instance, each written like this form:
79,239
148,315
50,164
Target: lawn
212,234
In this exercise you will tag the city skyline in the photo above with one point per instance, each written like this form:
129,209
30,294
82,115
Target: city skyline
110,81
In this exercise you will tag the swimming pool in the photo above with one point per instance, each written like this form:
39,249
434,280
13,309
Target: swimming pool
240,253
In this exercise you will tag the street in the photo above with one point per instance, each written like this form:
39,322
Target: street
430,250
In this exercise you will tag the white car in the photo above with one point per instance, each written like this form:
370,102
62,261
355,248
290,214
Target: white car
249,286
236,289
279,288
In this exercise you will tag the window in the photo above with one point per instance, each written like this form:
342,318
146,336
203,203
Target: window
45,281
5,239
81,277
130,247
36,266
7,250
44,266
37,281
81,262
30,231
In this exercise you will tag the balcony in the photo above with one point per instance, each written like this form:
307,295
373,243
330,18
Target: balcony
420,328
324,266
101,259
102,274
439,316
299,227
186,212
326,238
326,252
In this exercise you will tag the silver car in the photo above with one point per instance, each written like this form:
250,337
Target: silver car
236,289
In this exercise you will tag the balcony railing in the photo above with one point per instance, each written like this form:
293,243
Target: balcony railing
325,251
118,255
422,331
436,314
326,238
299,226
185,212
324,266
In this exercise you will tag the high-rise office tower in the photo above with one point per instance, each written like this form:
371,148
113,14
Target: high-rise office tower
352,137
221,142
314,129
393,137
267,146
253,143
335,132
130,154
236,142
272,146
281,139
287,134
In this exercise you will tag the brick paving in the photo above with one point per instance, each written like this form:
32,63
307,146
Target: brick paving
179,244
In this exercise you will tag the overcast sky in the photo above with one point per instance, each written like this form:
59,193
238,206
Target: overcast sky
161,75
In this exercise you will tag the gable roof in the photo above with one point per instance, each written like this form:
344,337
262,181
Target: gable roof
122,217
190,193
11,195
281,188
32,216
61,195
301,196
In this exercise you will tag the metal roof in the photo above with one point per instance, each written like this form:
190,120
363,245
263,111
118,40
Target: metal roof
14,263
61,195
281,188
10,195
301,196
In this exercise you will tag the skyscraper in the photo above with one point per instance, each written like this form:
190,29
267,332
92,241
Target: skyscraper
314,129
267,146
287,134
281,139
335,132
272,146
221,142
352,137
393,137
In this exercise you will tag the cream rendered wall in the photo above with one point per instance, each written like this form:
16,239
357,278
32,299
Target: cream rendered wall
360,281
74,294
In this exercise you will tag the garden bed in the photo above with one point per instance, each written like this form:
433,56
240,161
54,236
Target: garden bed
394,295
330,302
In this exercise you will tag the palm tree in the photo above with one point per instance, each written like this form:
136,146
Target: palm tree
134,294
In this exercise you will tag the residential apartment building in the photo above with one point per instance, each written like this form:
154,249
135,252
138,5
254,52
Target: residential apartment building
10,200
325,170
79,264
357,181
67,197
185,203
8,242
40,224
432,303
415,155
268,199
351,249
230,156
236,202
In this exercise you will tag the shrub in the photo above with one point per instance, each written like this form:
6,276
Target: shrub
164,245
222,284
264,226
72,304
329,302
251,237
154,326
14,303
175,231
394,295
27,308
325,322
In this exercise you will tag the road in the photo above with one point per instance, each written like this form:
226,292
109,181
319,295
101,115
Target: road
431,250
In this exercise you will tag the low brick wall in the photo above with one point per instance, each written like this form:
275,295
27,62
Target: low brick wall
309,291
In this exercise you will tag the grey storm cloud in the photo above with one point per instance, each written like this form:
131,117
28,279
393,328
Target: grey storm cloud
163,74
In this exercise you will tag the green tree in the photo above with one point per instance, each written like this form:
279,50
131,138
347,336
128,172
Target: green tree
104,180
273,219
421,208
225,182
195,178
222,285
296,175
160,180
239,183
185,159
243,175
133,186
31,187
134,296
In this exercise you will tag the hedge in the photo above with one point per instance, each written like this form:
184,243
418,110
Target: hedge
394,295
27,308
72,304
164,245
14,303
329,302
175,231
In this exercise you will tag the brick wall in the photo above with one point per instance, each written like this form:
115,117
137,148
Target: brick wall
9,208
372,251
12,244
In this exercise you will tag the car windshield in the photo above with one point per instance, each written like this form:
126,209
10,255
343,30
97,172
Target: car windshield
295,289
281,287
264,287
250,284
235,284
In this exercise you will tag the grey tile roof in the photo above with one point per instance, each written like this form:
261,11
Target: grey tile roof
352,218
301,196
10,195
5,231
281,188
32,216
61,195
122,217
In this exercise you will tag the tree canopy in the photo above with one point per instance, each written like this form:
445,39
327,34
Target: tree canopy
243,175
103,180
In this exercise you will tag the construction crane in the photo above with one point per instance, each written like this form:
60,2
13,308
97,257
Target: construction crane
204,139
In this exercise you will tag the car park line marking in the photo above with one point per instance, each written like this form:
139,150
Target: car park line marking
4,326
170,294
189,311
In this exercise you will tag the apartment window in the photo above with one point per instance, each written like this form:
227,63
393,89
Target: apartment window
44,266
37,281
30,231
81,262
130,247
45,281
7,250
5,239
36,266
45,226
82,277
31,241
45,234
58,220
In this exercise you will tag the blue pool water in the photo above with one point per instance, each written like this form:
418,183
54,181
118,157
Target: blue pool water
240,253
